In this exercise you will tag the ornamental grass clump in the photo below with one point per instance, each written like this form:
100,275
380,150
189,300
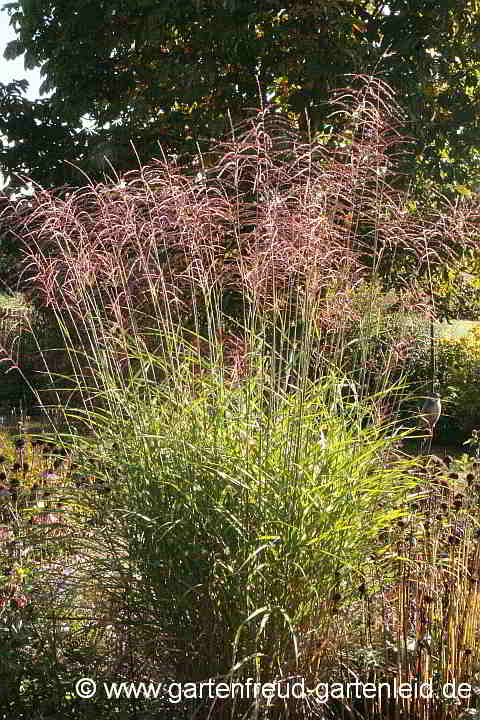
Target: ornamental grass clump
234,381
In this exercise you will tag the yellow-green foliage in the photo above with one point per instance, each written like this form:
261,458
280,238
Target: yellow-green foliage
456,288
458,362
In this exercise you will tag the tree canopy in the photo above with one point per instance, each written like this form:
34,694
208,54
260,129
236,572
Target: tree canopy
176,74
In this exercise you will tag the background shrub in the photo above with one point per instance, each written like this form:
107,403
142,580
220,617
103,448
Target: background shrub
459,376
457,361
456,288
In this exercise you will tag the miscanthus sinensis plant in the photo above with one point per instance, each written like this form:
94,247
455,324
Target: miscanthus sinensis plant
218,324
